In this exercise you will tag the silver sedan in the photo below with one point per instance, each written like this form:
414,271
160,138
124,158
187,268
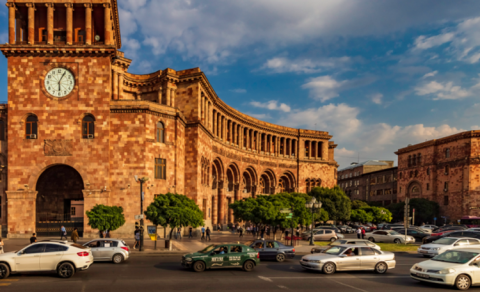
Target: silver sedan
349,258
109,249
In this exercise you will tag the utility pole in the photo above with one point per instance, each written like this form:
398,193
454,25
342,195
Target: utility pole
406,216
142,222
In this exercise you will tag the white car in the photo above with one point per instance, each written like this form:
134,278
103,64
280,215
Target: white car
447,243
459,268
389,236
62,257
429,227
473,229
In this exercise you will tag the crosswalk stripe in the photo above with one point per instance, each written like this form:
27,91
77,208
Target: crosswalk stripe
9,280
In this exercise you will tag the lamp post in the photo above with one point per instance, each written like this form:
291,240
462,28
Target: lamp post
142,224
314,205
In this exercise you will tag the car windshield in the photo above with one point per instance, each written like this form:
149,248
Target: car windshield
455,256
335,250
207,249
393,233
445,241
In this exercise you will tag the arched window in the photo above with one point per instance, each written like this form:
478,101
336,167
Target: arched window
415,190
409,160
31,127
88,127
160,132
2,130
447,153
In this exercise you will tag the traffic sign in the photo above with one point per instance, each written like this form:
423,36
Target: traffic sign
138,217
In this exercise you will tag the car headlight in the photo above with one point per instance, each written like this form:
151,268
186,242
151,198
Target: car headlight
435,248
446,271
188,259
315,261
415,266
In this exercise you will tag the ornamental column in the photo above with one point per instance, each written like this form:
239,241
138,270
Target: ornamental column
325,150
88,24
172,97
11,23
31,23
115,85
108,23
215,208
221,204
50,10
120,85
69,23
168,95
310,144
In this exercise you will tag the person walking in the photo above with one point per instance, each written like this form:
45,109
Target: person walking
190,230
1,245
359,232
179,233
203,233
136,235
33,238
363,233
208,234
63,232
74,236
240,231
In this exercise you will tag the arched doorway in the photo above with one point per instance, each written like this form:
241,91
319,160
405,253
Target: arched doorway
59,201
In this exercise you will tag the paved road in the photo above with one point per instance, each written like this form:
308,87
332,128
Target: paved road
164,273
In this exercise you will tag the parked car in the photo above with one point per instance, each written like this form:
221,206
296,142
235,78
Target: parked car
323,235
272,250
349,258
64,258
452,233
109,249
447,243
429,227
418,234
457,268
232,255
473,229
331,227
389,236
392,226
449,227
359,242
345,229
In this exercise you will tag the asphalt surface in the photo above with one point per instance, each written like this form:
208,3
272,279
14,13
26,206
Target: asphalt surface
164,273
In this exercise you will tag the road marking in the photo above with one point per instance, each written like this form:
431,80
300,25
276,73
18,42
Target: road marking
335,277
282,287
346,285
265,279
9,280
5,284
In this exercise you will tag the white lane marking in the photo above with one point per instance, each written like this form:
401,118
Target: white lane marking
346,285
339,277
265,278
282,287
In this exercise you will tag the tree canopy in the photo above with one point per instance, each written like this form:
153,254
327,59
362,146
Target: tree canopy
425,210
174,210
359,215
357,204
103,217
334,201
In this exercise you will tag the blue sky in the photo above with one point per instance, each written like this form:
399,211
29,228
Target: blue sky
378,75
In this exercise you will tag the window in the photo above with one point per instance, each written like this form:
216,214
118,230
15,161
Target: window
445,200
411,174
415,190
160,132
414,160
160,168
445,186
366,251
37,248
2,130
31,128
447,169
72,210
55,248
88,127
400,175
409,160
447,153
235,248
428,171
416,173
400,190
272,244
419,158
428,186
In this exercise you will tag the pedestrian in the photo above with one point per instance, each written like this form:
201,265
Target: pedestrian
208,234
203,233
297,232
74,236
241,232
262,233
63,232
190,232
33,238
219,227
1,245
107,233
359,232
363,233
179,233
136,235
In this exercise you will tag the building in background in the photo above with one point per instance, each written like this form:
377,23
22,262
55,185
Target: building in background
372,181
446,171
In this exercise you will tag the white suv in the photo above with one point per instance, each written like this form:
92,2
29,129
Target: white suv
60,256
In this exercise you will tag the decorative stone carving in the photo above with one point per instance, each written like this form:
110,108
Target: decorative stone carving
59,147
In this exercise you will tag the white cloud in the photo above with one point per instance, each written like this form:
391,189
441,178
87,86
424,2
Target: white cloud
260,116
239,90
423,42
272,105
323,88
445,90
377,98
431,74
283,65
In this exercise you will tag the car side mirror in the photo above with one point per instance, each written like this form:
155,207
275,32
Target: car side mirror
343,255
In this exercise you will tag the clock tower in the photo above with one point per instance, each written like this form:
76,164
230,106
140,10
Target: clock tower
63,61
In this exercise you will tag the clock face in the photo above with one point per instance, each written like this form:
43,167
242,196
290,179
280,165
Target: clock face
59,82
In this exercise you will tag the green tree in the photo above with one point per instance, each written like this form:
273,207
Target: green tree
425,210
334,201
378,214
174,210
103,217
357,204
360,215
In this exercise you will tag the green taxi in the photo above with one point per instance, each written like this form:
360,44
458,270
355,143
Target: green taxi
230,255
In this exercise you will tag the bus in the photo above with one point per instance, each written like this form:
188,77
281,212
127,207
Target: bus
470,221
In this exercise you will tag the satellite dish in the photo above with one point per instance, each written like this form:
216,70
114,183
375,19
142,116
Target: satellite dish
136,178
97,37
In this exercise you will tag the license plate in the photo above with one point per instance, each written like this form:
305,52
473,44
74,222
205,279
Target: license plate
423,251
423,276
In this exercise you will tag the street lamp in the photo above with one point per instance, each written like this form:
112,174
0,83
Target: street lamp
142,181
314,205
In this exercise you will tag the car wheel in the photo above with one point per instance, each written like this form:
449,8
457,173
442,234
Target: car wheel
332,239
463,282
381,268
397,241
199,266
4,271
329,268
280,257
248,266
371,239
66,270
117,258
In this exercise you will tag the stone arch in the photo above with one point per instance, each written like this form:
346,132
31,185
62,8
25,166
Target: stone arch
33,179
249,180
267,182
220,171
232,176
414,190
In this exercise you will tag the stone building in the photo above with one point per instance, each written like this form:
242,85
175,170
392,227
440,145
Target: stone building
444,170
371,181
78,127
